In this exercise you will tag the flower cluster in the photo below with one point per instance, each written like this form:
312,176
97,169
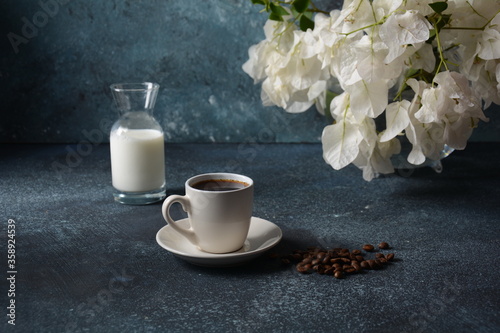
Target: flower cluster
437,62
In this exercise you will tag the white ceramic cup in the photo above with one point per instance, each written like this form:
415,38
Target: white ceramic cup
219,218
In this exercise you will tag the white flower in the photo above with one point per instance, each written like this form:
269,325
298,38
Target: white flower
341,140
454,105
326,32
343,62
265,53
356,14
489,43
426,139
256,65
384,8
422,58
448,60
287,62
327,27
370,55
301,67
422,6
368,98
434,104
374,159
400,30
397,119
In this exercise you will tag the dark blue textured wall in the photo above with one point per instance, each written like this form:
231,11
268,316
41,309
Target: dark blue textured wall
54,82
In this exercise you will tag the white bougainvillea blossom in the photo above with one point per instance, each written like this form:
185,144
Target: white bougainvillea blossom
428,70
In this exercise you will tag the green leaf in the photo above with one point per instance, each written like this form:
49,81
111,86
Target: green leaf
306,23
446,18
328,114
300,5
439,7
275,17
278,10
443,21
432,36
259,2
411,72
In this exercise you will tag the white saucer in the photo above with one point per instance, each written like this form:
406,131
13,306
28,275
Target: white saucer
262,236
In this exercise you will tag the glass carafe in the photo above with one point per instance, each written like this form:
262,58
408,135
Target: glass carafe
137,145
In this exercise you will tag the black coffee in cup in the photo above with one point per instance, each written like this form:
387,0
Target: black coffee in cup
219,185
219,206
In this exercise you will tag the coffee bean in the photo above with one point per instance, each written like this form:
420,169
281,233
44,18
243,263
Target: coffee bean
333,255
356,266
307,260
338,261
319,269
344,254
321,255
368,247
383,245
301,269
346,267
349,269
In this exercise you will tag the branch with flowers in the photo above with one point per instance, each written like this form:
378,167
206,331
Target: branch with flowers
383,70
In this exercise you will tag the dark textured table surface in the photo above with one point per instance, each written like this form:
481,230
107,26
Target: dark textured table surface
85,263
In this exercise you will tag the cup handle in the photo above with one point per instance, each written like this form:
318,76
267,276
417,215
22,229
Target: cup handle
186,205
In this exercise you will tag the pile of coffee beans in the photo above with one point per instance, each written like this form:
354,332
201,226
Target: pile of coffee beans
338,262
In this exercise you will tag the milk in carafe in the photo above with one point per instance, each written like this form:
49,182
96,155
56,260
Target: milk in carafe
137,160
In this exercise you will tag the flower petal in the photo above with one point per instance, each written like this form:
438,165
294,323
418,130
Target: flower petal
397,119
340,144
368,99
